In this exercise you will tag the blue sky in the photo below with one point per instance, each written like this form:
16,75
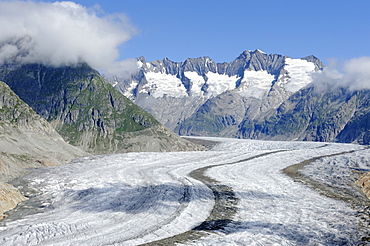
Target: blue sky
224,29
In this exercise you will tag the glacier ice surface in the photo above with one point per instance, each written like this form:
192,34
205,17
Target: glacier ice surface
133,198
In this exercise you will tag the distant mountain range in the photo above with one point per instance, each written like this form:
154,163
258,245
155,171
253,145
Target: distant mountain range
258,96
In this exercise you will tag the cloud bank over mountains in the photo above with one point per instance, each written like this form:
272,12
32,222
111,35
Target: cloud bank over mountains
357,73
61,33
353,74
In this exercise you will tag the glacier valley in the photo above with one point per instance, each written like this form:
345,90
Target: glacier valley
234,194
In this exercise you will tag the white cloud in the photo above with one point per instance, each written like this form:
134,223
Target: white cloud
358,73
353,74
121,69
61,33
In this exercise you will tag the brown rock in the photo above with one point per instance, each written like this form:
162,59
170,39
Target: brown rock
9,198
364,183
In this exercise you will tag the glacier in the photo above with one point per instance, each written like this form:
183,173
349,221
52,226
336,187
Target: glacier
154,198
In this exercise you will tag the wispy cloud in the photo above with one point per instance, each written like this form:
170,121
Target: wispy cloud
61,33
353,74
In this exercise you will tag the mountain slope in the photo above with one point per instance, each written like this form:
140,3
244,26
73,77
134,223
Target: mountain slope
219,116
357,129
87,111
26,141
312,114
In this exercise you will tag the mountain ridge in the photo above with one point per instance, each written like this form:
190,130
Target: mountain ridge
256,76
257,95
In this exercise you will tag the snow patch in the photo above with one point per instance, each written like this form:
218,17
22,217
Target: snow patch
197,82
128,92
255,83
219,83
161,84
299,72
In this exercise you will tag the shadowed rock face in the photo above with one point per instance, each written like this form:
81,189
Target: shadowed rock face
87,111
313,115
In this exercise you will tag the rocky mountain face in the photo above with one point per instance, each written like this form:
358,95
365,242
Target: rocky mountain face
335,114
201,97
26,141
87,111
257,96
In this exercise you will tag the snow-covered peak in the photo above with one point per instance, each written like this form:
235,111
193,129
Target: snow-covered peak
203,77
298,74
260,51
254,51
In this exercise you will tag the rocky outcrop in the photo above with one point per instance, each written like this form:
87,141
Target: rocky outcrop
9,198
364,183
157,139
357,129
27,140
219,116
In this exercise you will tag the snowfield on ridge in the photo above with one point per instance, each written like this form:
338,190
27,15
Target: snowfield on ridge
234,194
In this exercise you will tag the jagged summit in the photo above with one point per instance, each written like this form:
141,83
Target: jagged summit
253,75
245,52
319,65
197,76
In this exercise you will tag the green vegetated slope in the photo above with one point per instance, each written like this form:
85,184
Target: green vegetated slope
87,111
